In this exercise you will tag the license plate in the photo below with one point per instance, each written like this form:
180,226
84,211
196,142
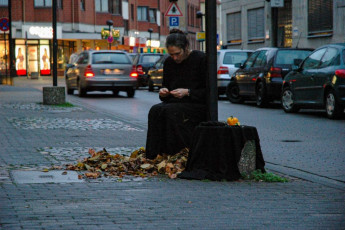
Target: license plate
113,71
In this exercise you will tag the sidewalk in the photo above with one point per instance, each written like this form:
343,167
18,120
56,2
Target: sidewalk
33,137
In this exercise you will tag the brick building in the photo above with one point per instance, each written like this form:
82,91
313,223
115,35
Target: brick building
81,24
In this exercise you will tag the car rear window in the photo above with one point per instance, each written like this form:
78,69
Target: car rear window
286,57
150,58
110,58
235,57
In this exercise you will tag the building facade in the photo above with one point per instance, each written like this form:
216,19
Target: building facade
251,24
82,24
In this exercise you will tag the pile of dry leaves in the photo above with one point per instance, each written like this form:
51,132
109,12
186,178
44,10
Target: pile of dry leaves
103,163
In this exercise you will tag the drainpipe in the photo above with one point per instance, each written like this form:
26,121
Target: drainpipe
23,11
72,15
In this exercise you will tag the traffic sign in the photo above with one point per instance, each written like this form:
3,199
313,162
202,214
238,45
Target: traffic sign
4,24
173,10
200,36
110,39
174,21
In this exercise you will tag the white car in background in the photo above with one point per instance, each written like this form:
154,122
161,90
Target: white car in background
226,60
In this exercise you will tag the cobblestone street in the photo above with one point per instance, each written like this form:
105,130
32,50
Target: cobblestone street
35,137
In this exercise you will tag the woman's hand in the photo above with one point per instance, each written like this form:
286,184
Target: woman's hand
179,93
164,92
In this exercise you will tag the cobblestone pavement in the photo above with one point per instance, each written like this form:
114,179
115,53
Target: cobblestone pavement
34,137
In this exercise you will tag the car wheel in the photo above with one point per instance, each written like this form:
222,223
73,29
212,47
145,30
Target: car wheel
233,93
130,92
287,101
69,90
333,108
115,92
261,98
151,87
81,91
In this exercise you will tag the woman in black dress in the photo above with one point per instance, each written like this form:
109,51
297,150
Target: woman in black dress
183,95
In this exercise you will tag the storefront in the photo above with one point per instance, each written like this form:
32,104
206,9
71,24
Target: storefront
4,51
33,54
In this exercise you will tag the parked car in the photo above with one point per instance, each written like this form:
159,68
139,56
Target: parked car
141,65
261,76
319,82
155,74
226,60
101,70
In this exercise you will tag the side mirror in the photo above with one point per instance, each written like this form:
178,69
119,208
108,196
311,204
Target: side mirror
238,65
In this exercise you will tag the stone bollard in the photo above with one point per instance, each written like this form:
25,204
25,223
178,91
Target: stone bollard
247,162
54,95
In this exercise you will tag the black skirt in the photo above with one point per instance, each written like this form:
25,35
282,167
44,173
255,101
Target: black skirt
170,127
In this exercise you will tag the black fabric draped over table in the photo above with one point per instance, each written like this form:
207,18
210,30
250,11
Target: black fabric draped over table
216,151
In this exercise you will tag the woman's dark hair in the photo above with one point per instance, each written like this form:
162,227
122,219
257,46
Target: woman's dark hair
177,38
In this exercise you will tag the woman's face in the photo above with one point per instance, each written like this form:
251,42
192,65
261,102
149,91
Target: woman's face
177,54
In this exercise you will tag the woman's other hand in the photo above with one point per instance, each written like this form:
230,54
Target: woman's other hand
179,93
164,92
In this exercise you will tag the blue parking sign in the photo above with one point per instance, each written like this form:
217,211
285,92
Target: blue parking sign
174,21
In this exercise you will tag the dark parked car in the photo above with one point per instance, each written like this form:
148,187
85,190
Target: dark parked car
142,63
261,76
101,70
155,74
319,82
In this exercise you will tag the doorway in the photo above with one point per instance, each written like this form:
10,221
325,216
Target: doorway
32,60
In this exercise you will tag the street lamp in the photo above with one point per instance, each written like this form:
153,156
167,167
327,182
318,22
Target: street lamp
150,31
110,23
199,14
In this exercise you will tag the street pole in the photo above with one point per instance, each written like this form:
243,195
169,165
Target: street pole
11,44
150,31
109,36
54,45
211,54
110,23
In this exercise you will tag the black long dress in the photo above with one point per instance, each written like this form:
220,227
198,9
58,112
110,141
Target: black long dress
172,122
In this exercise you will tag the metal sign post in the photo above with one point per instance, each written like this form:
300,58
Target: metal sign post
5,26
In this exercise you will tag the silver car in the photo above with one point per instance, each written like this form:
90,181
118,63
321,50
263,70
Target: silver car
101,70
226,60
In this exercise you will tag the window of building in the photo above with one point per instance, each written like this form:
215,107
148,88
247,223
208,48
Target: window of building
152,15
115,6
233,27
256,25
163,19
82,5
43,3
59,4
3,2
320,17
142,13
101,5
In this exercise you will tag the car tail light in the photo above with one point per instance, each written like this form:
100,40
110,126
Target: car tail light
340,73
223,70
89,72
139,69
275,72
134,74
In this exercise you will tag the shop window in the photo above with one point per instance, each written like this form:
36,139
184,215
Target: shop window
43,3
152,15
20,59
142,13
256,25
101,5
320,18
233,27
115,6
3,2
